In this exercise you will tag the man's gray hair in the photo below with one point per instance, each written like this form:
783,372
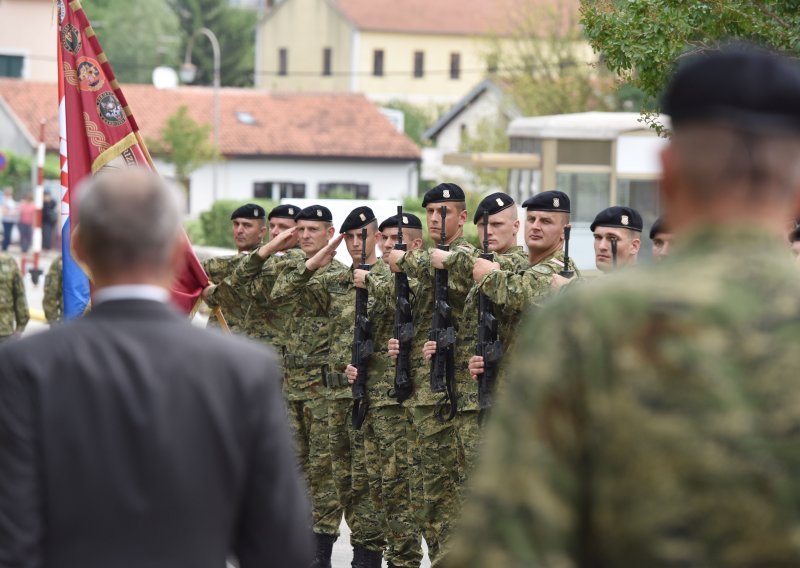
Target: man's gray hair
128,219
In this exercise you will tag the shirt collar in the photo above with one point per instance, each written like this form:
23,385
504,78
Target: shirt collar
131,292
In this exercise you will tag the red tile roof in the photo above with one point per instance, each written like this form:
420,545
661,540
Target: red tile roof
457,17
296,125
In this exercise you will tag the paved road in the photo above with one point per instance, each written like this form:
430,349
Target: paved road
342,552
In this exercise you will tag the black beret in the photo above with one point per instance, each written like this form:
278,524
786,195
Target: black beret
314,213
492,204
619,217
795,235
358,217
548,201
410,221
285,211
442,193
658,227
744,86
249,211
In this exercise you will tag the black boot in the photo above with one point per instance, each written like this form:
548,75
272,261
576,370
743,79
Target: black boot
322,558
364,558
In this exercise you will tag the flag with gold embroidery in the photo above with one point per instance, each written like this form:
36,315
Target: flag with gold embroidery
98,132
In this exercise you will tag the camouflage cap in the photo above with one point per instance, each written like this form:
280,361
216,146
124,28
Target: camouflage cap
618,217
492,204
249,211
357,218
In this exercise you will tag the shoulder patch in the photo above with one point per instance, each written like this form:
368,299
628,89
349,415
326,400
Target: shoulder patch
541,269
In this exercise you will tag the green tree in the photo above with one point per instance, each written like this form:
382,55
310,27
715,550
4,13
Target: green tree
417,118
18,173
235,29
545,63
641,40
490,136
184,143
136,36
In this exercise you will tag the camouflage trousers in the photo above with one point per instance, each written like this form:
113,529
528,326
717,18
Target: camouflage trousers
309,419
351,477
469,433
386,444
434,467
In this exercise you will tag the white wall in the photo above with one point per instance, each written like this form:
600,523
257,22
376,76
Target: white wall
639,155
387,180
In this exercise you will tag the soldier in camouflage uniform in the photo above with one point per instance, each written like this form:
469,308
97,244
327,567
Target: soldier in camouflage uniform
662,238
651,417
332,293
249,229
386,425
502,231
435,443
14,314
306,360
620,224
53,301
250,284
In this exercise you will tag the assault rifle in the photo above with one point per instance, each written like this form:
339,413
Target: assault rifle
489,346
566,272
403,324
614,251
444,334
362,344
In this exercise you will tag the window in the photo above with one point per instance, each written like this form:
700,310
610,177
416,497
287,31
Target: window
344,190
419,64
455,65
588,193
283,61
327,54
11,65
377,63
278,190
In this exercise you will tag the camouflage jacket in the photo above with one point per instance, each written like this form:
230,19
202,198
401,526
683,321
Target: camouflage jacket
651,421
307,347
250,285
53,301
417,265
14,314
218,268
513,260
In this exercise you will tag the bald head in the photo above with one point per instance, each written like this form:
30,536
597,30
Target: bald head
128,221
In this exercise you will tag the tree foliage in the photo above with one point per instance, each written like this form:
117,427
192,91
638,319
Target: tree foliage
641,40
545,63
417,118
490,136
235,29
18,173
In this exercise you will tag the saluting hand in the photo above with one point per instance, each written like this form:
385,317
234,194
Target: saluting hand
207,290
325,254
438,257
360,278
429,350
483,267
281,241
393,348
475,366
392,258
351,373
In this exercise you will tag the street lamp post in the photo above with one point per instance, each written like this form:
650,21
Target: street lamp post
188,74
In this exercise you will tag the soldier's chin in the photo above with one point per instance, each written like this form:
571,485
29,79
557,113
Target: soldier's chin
604,265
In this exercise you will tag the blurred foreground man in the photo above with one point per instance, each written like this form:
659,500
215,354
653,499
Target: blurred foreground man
653,423
130,438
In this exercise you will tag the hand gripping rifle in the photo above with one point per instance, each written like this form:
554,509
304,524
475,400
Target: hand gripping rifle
444,334
403,324
566,272
488,347
362,344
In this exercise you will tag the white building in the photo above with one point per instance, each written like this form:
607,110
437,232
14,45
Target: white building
27,39
274,145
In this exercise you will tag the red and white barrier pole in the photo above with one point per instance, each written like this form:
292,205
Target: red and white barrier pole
38,200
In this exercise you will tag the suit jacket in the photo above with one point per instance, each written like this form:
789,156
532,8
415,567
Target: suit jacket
131,439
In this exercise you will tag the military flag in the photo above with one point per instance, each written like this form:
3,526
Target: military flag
98,132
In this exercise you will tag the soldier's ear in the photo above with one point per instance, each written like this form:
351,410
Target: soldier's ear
635,245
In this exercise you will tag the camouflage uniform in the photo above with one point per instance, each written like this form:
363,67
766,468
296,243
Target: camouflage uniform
651,423
250,285
53,301
217,269
435,444
13,304
306,358
386,431
333,293
459,265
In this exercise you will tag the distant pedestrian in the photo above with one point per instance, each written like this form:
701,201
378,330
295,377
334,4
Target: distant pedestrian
9,213
27,214
50,216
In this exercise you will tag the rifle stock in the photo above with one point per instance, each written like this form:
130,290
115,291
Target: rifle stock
362,344
442,376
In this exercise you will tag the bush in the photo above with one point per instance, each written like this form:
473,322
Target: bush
213,228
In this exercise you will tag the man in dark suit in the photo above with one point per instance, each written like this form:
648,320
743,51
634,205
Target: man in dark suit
129,438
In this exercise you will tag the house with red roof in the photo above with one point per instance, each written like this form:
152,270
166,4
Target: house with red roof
275,146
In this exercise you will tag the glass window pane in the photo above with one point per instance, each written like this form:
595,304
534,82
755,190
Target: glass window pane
588,194
584,152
